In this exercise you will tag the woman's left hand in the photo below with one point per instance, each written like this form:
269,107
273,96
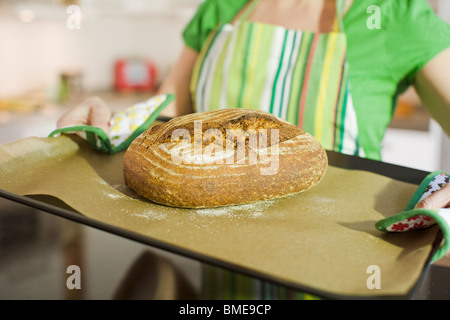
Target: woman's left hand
438,199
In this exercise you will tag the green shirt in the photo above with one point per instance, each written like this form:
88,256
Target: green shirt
383,61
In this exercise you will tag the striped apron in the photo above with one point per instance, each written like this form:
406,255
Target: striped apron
299,76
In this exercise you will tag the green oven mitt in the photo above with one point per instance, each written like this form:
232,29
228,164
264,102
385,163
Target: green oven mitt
124,126
412,218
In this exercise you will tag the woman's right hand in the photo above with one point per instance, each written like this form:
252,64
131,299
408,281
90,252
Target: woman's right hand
93,111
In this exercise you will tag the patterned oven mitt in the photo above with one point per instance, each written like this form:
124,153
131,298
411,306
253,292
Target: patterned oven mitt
412,218
124,126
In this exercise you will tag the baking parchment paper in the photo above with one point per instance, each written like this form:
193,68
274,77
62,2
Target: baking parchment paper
324,238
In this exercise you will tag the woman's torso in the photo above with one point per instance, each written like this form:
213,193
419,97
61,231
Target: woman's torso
300,76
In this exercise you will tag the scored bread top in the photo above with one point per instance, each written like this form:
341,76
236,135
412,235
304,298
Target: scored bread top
223,128
223,120
234,171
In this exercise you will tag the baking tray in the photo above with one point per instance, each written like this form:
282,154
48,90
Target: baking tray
413,176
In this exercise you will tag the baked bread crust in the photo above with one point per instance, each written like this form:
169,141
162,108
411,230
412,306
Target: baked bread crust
287,161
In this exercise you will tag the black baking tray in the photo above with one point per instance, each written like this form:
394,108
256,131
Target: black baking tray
392,171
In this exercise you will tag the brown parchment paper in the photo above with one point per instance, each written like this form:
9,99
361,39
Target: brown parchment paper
324,238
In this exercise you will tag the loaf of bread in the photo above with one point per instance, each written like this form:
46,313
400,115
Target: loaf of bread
221,158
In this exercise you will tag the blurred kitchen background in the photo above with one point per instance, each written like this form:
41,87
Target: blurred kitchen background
55,53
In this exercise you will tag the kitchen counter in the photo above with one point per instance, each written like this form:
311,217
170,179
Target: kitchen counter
39,244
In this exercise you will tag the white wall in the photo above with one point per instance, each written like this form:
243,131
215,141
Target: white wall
32,55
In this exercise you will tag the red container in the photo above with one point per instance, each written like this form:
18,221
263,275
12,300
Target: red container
135,75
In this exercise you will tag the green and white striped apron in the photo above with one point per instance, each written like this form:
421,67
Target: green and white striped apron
299,76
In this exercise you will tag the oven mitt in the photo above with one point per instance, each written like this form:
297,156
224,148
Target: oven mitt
412,218
124,126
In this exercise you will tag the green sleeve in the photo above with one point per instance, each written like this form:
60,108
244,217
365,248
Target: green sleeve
210,13
384,61
417,36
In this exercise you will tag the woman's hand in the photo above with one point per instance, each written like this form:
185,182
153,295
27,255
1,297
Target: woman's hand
438,199
93,111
